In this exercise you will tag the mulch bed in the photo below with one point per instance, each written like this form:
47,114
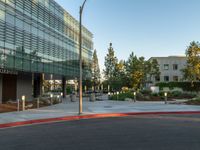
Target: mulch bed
7,108
193,102
10,107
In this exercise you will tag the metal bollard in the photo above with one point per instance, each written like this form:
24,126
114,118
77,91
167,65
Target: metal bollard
23,102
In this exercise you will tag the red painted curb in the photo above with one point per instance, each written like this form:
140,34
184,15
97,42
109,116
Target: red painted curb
93,116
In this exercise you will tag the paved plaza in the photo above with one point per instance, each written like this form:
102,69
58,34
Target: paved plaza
68,108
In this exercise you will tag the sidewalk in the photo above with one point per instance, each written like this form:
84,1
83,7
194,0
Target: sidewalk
68,108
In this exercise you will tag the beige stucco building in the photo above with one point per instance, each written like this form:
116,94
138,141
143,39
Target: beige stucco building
170,69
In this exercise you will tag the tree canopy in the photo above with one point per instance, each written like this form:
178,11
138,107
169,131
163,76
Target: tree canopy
192,69
131,73
96,76
110,63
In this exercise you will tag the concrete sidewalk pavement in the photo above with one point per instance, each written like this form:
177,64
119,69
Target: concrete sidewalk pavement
68,108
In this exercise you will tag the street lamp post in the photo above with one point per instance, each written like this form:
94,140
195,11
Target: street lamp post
80,59
165,97
134,93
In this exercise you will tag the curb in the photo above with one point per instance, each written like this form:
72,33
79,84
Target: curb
92,116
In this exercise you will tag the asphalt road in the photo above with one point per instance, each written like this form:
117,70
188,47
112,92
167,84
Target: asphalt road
158,132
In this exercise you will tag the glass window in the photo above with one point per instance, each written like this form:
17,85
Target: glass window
10,19
8,45
51,8
157,78
26,64
166,66
175,78
18,63
34,1
27,27
9,61
175,66
1,43
34,30
166,78
40,33
46,3
2,15
19,5
19,23
11,2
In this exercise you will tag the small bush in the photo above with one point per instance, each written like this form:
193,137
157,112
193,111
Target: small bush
125,89
155,94
122,96
46,101
176,93
186,86
56,100
146,92
188,95
162,93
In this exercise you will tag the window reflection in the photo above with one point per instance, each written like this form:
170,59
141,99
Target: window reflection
39,36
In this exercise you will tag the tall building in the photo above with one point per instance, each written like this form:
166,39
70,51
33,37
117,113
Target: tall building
170,69
38,39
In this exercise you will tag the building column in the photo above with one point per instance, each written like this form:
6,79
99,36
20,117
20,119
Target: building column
1,84
42,84
37,85
24,85
64,86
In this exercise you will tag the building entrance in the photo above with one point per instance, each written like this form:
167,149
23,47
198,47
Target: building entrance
9,88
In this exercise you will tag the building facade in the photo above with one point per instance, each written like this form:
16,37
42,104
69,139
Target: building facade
170,69
38,39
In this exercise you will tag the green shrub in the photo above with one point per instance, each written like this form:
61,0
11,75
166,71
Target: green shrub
55,100
146,92
162,93
125,89
176,93
122,96
155,94
186,86
68,89
188,95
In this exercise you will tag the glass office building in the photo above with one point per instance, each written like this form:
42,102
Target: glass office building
37,38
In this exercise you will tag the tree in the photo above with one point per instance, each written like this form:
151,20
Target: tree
110,63
135,71
192,70
119,79
153,71
96,76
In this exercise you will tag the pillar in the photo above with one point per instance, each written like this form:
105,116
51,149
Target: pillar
64,86
37,85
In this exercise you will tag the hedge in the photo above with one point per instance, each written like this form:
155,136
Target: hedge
186,86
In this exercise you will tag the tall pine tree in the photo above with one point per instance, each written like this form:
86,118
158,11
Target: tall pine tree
96,76
110,63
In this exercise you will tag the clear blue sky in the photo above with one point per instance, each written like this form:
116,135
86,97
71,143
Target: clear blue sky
146,27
